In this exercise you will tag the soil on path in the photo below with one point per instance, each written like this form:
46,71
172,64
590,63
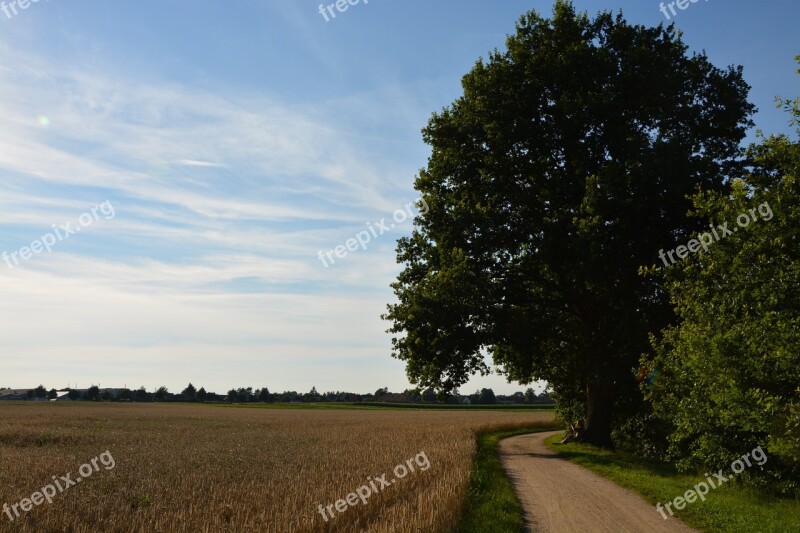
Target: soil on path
560,496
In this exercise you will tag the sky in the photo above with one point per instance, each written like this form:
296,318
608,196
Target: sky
181,165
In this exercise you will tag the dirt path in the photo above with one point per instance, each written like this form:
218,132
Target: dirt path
559,496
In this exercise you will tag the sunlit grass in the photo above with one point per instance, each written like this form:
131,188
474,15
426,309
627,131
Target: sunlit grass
729,508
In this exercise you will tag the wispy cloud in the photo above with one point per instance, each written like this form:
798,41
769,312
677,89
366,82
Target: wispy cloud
222,204
192,163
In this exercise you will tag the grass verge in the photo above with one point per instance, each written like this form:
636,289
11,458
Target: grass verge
728,508
492,506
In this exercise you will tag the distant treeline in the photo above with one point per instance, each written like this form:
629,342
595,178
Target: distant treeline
250,395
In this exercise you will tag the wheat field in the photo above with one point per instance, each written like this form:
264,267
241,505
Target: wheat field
207,468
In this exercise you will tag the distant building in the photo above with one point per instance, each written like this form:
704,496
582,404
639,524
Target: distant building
14,394
395,397
22,394
111,392
61,396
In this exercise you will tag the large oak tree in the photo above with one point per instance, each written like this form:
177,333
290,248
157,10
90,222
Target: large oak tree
564,167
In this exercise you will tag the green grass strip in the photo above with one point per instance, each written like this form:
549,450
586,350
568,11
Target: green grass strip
492,506
728,508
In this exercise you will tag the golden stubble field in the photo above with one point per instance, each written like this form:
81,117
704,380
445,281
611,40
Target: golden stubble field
208,468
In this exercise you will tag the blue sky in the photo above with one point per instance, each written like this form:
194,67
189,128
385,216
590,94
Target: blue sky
234,141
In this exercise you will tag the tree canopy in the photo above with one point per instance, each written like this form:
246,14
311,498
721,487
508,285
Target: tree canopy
565,166
729,372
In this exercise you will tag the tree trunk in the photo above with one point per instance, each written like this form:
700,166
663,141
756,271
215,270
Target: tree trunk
599,403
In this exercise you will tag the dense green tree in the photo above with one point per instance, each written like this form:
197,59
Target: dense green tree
74,395
245,395
93,393
40,392
380,393
564,167
453,399
728,376
189,393
517,397
233,396
125,395
530,396
202,395
429,395
161,394
141,395
413,394
52,394
312,396
264,395
487,397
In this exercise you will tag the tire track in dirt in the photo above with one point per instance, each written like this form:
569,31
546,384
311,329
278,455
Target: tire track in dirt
559,496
